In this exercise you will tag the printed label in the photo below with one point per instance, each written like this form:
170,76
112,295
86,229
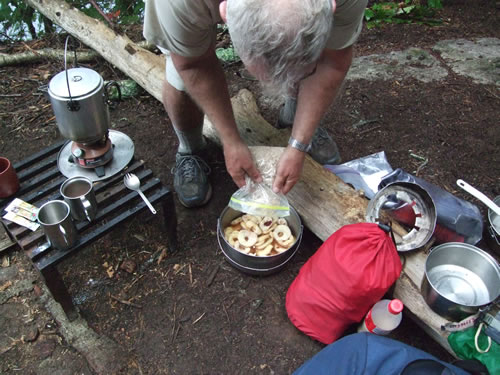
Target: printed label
371,327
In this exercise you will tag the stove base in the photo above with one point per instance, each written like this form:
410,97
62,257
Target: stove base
123,152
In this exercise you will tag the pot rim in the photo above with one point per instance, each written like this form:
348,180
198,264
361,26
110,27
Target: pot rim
52,202
479,251
254,256
492,214
259,270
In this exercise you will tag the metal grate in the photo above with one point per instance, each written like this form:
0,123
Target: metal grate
40,181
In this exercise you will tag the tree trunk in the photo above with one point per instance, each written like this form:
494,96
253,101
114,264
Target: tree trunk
144,67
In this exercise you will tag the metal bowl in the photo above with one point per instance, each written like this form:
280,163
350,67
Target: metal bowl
409,204
459,279
251,264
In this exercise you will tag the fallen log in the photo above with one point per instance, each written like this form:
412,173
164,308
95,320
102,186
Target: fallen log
33,56
323,201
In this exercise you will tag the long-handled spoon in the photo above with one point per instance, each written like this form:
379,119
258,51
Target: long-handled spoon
133,183
476,193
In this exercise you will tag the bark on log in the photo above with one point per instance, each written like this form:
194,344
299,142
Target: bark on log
144,67
323,201
39,55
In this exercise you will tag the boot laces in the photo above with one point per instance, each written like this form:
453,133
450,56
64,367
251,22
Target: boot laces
188,165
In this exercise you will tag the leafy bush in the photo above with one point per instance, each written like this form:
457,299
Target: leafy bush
408,11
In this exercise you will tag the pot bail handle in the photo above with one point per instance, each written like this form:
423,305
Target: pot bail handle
73,105
476,339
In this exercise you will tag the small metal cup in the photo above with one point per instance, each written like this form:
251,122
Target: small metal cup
57,224
79,194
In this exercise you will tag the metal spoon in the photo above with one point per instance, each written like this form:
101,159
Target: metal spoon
133,183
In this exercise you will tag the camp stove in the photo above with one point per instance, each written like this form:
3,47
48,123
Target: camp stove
94,155
80,101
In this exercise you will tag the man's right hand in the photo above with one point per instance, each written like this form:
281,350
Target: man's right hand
239,163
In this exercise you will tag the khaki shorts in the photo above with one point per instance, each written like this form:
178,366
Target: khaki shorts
347,23
171,74
188,29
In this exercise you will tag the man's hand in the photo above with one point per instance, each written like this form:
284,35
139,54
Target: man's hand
239,163
288,171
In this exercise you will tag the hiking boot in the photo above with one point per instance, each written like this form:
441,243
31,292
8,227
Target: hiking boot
191,180
324,150
287,114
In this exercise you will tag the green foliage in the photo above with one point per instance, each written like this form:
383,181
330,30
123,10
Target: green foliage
120,11
408,11
18,20
227,54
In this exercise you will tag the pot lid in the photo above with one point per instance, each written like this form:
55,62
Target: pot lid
82,81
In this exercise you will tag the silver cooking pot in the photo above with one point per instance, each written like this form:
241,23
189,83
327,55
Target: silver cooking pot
80,102
78,99
459,280
254,265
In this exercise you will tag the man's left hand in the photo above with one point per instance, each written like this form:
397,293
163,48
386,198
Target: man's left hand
288,171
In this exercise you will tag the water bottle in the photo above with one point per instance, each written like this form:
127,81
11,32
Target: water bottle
383,317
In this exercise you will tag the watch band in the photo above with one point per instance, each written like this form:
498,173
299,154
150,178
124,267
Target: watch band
298,145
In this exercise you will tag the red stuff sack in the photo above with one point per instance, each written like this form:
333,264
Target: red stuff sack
339,284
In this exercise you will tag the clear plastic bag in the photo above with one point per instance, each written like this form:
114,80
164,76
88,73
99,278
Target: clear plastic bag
364,173
258,198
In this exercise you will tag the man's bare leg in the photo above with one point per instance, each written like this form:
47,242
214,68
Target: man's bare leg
191,172
186,117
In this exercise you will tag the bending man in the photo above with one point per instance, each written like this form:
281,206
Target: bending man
301,49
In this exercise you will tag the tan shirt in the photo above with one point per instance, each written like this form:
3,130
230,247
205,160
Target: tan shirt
188,27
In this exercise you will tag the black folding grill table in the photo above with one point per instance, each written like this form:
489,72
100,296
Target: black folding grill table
40,181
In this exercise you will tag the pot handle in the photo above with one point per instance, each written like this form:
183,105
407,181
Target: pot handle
73,105
107,97
493,235
219,233
476,338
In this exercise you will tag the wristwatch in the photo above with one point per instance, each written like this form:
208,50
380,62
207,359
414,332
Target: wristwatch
298,145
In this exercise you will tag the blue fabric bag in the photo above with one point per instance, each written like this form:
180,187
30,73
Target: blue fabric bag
369,354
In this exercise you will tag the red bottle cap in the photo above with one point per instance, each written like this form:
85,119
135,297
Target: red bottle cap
395,306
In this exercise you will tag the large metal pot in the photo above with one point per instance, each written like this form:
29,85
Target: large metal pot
492,230
255,265
459,279
78,99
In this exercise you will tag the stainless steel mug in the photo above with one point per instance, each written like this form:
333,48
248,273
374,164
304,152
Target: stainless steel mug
57,224
79,194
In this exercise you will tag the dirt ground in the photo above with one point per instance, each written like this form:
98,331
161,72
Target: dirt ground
237,324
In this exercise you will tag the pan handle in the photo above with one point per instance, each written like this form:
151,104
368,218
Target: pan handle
477,194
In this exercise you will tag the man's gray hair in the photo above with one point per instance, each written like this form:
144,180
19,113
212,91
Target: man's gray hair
283,37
